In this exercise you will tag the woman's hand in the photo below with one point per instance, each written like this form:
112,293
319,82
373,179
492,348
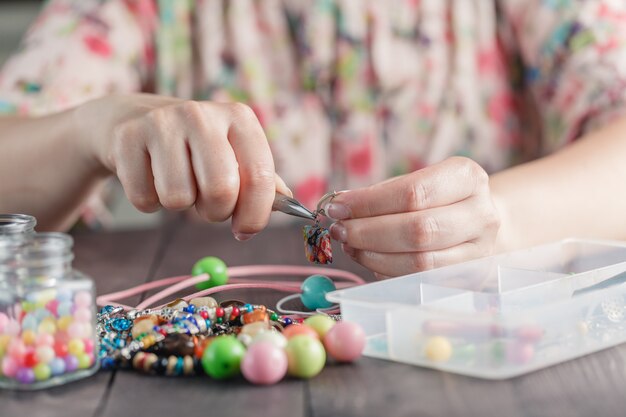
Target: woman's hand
178,154
439,215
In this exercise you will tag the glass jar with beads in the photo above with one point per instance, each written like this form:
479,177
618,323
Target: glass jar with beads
47,314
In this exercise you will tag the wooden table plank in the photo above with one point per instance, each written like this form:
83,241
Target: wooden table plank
115,261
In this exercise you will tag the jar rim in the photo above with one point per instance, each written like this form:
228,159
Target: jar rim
16,223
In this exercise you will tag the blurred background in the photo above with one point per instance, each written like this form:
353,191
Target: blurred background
15,18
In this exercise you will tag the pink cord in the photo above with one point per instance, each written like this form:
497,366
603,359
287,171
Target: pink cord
181,282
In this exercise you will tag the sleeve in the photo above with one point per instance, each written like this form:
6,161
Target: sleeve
77,50
574,62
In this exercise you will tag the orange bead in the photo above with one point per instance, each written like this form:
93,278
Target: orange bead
255,316
300,329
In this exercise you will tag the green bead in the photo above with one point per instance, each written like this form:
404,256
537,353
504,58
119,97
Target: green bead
274,317
222,358
42,372
498,352
215,268
306,356
320,323
314,290
84,361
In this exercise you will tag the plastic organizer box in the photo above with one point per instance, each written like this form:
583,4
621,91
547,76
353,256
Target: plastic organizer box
499,316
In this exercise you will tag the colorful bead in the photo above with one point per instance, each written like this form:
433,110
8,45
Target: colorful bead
57,366
299,329
275,338
306,356
208,302
320,323
222,358
438,349
42,372
264,363
215,268
345,341
314,290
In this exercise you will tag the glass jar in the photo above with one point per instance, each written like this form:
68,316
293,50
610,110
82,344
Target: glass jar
17,227
47,314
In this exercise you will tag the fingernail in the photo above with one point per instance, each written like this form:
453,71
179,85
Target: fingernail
338,232
242,237
348,250
337,211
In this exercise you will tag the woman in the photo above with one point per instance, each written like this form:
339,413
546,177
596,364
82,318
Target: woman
500,123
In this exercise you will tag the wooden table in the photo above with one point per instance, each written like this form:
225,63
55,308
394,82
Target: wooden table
591,386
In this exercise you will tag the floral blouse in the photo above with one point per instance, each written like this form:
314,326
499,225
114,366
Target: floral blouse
348,91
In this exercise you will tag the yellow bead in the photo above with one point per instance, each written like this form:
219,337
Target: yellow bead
29,337
76,347
64,322
438,349
4,342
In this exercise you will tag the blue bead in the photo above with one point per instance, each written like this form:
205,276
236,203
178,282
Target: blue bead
249,308
57,366
121,324
179,366
106,309
287,321
191,308
64,308
314,290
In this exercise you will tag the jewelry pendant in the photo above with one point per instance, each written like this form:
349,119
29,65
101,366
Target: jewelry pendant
317,244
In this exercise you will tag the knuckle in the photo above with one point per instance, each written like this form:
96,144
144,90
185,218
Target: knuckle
192,110
223,192
416,197
179,200
259,176
423,231
241,112
422,261
144,202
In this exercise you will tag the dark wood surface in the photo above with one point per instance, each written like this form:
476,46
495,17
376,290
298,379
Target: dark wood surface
594,385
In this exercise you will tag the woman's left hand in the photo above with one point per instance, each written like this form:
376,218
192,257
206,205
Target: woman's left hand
436,216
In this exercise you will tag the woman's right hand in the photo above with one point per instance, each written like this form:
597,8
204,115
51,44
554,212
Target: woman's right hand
178,153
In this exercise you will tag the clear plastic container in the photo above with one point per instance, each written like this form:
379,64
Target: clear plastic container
499,316
47,314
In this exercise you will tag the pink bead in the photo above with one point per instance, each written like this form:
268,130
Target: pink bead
4,320
345,341
12,328
44,339
52,306
264,363
16,349
82,314
75,330
88,345
9,366
82,299
519,353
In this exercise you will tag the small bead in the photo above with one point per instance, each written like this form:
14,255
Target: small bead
274,317
438,349
219,312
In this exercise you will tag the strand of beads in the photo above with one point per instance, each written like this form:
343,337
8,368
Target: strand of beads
223,340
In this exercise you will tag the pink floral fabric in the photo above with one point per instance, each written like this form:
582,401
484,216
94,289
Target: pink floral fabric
349,91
